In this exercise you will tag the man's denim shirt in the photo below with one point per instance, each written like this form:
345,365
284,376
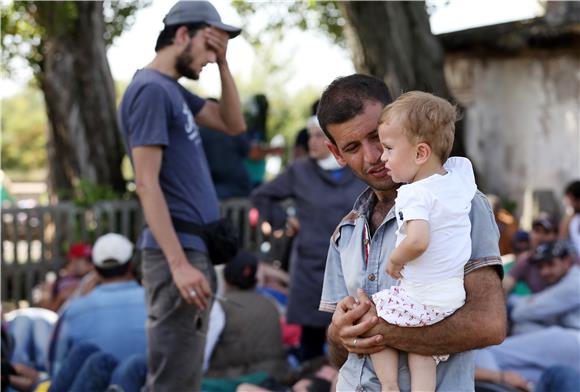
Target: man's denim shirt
347,270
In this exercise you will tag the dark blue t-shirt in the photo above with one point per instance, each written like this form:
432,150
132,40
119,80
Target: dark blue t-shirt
158,111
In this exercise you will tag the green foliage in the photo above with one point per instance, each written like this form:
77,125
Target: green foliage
27,24
287,112
119,16
267,24
21,35
87,194
23,124
279,16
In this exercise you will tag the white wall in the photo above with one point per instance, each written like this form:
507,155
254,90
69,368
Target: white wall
523,123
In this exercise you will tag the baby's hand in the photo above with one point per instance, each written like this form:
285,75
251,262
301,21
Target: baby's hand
394,270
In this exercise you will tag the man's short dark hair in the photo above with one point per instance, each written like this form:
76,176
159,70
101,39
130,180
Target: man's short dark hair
112,272
573,189
345,99
166,35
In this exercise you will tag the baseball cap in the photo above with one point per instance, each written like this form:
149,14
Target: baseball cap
521,235
185,12
79,250
544,223
241,270
549,250
112,250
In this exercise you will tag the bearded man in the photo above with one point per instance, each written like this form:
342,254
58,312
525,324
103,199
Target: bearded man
159,120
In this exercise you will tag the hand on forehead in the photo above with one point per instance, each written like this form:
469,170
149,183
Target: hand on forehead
211,30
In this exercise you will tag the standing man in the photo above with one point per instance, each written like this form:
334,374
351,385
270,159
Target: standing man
349,112
160,127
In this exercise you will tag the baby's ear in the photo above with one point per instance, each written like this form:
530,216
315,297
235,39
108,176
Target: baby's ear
423,152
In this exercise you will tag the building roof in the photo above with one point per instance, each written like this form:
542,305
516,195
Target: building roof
559,28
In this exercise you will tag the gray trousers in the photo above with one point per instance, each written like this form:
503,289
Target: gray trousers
176,331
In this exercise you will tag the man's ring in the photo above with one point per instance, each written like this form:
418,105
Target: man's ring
354,342
192,293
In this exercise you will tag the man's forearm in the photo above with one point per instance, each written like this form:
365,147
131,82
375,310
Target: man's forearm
480,322
552,302
337,354
159,222
230,106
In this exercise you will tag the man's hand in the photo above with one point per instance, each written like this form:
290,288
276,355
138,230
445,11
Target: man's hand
370,316
25,377
394,269
513,379
347,329
217,40
192,284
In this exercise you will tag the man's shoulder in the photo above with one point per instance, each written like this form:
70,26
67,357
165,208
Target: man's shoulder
79,306
348,220
142,87
480,203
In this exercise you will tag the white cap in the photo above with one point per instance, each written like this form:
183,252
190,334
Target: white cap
111,250
312,122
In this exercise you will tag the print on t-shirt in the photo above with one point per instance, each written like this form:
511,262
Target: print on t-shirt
191,127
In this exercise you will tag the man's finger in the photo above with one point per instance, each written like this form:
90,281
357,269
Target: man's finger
205,289
346,303
356,312
358,329
368,345
186,296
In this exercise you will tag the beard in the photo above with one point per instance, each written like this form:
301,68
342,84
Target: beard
183,64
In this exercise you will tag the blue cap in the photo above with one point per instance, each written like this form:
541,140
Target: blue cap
186,12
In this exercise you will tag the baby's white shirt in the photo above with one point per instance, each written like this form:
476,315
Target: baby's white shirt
444,201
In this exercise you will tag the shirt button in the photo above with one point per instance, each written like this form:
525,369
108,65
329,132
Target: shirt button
372,277
366,241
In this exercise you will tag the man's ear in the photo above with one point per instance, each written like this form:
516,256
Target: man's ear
336,152
423,152
181,36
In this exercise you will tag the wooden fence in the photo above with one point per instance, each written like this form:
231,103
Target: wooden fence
34,240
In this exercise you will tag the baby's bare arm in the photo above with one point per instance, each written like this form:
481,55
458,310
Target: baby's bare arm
413,246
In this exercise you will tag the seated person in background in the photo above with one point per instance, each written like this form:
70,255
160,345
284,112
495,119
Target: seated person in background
553,379
67,284
315,375
506,223
529,355
570,225
112,316
559,303
543,230
30,330
251,340
521,242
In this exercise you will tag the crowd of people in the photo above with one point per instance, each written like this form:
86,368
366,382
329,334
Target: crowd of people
401,276
542,287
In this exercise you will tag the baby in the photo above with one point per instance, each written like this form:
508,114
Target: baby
433,238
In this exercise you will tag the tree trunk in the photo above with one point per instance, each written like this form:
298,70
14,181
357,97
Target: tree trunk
83,140
393,40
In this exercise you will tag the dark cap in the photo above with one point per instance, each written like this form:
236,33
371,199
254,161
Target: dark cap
544,223
186,12
521,236
550,250
241,270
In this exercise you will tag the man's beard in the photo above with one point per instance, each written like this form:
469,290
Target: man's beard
183,64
